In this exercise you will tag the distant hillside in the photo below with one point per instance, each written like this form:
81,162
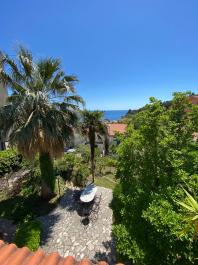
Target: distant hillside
131,112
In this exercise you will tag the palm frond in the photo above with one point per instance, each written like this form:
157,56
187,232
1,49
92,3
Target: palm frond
15,72
25,58
186,206
75,98
191,201
47,68
37,123
191,211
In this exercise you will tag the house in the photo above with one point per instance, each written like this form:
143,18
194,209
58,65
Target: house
193,99
11,255
114,128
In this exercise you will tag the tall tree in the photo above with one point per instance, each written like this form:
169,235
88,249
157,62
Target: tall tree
157,156
42,110
93,126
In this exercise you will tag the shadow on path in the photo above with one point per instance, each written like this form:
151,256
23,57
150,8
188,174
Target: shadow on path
109,254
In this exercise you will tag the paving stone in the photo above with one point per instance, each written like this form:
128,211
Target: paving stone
64,231
7,230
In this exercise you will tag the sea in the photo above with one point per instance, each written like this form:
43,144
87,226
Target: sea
114,115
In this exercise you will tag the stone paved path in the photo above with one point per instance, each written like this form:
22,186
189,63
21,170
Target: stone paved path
64,231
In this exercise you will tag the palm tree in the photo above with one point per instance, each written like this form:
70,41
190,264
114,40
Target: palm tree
93,126
42,110
3,99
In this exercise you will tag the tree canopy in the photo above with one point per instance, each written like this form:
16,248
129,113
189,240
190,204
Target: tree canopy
156,159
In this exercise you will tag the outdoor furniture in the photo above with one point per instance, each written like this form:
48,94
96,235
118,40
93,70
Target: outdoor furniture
76,195
88,194
89,203
90,211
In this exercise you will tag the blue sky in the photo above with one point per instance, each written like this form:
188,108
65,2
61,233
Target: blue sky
123,51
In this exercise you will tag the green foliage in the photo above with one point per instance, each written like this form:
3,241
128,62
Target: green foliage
84,151
73,167
64,165
60,188
80,174
31,185
28,234
156,158
10,160
110,161
105,165
107,181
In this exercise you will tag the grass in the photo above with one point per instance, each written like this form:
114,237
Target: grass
107,181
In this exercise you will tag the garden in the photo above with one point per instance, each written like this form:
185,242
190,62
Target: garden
153,171
20,200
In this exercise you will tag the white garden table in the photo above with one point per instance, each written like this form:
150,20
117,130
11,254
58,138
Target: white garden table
88,193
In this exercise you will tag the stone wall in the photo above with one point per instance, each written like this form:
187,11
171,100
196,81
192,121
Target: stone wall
12,182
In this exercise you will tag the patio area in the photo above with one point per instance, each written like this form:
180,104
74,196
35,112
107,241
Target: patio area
70,233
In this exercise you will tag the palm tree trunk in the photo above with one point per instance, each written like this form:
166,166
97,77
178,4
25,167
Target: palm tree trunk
93,169
47,176
106,144
92,148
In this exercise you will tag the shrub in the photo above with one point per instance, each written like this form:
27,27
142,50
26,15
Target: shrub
28,234
80,174
9,161
72,167
64,166
105,165
84,151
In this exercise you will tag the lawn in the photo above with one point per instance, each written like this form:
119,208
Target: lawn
107,181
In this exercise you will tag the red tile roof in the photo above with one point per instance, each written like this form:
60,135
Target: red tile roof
11,255
193,99
116,127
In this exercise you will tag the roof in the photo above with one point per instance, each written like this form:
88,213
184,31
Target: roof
11,255
116,128
193,99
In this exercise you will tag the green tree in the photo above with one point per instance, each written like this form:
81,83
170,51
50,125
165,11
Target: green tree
156,158
41,112
92,126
